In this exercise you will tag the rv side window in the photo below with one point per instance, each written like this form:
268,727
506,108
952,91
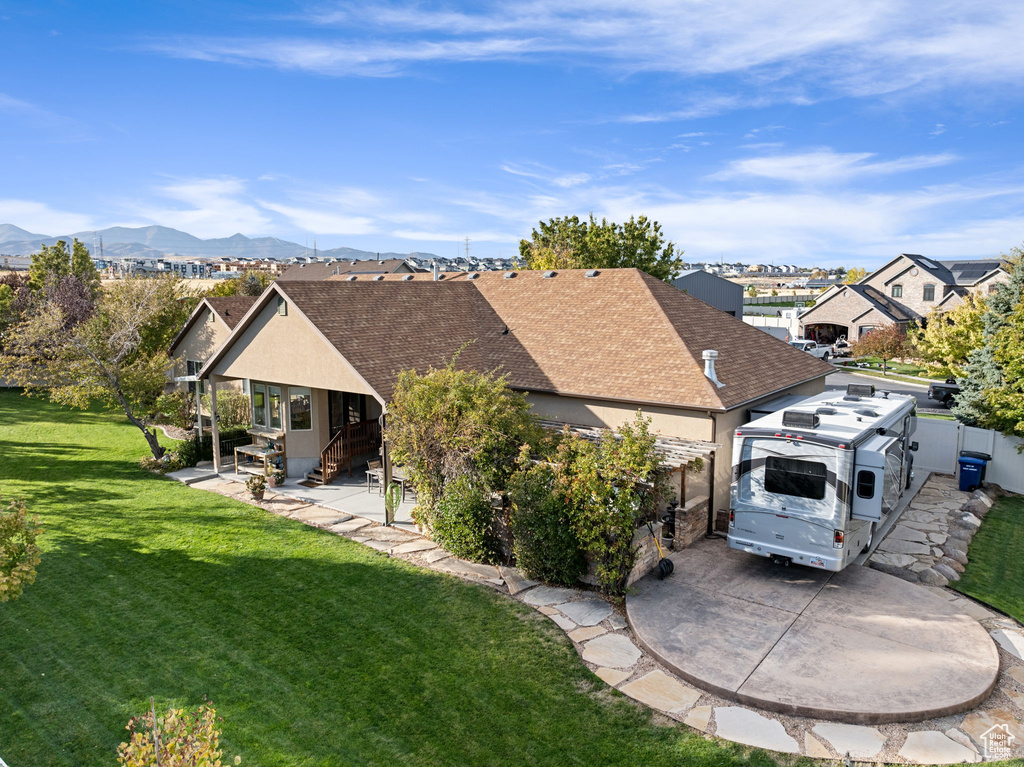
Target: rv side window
865,484
789,476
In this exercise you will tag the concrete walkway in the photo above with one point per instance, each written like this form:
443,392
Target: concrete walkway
856,646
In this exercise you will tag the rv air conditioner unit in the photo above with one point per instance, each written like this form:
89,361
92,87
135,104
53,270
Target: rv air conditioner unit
798,420
861,390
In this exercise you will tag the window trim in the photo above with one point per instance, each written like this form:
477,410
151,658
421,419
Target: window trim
270,408
925,290
897,291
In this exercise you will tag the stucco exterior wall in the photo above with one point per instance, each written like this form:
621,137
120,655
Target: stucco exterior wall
288,350
201,341
591,412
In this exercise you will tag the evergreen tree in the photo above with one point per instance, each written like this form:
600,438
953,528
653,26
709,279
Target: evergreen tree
986,383
84,268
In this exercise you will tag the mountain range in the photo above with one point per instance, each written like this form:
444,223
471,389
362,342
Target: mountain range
162,241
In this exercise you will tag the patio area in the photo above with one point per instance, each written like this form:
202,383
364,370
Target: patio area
349,495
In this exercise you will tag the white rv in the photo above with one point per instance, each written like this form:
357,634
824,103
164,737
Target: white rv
812,482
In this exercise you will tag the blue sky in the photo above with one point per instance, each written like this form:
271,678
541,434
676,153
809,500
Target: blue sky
790,132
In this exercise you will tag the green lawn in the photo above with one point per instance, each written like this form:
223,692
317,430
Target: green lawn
995,574
315,650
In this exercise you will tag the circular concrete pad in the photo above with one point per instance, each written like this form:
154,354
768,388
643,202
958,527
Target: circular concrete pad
856,646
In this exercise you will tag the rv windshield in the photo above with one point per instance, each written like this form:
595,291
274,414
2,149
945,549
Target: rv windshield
794,477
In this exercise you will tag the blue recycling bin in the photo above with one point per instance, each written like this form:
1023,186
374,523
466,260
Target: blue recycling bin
971,472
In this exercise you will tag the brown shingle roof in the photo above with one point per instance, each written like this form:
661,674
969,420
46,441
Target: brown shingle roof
231,309
324,270
621,335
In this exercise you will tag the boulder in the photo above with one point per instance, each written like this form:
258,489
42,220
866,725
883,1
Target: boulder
975,507
946,572
899,572
956,549
961,533
930,577
952,564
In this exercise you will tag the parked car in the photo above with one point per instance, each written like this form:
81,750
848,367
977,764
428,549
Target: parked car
944,392
841,348
821,351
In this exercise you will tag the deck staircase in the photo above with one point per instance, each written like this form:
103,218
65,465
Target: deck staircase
351,440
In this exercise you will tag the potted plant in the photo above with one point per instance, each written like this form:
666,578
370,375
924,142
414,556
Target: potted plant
257,485
277,478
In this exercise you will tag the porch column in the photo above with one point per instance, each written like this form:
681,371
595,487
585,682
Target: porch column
199,411
214,428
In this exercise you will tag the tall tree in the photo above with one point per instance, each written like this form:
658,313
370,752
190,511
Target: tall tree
54,262
854,274
888,342
115,356
992,386
249,283
568,243
948,338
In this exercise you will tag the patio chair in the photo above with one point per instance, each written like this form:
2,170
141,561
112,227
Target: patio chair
374,473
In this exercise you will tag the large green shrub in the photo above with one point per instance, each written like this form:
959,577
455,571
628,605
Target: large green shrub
463,521
19,552
450,423
545,544
179,407
233,409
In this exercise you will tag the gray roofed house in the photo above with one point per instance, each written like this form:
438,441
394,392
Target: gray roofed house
713,290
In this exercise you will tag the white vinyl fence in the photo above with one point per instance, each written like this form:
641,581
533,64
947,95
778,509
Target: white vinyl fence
940,443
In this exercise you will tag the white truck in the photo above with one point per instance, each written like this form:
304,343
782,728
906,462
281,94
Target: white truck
812,483
821,351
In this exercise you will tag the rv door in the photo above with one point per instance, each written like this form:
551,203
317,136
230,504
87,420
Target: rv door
869,480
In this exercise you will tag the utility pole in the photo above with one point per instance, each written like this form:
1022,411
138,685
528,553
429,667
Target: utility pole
467,248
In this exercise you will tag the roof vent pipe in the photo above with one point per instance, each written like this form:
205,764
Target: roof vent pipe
437,272
709,356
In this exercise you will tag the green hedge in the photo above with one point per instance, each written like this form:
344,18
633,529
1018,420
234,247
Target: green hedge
463,522
545,545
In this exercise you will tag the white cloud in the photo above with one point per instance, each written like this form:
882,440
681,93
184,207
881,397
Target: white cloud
827,166
321,221
451,236
938,130
792,51
213,207
40,218
571,179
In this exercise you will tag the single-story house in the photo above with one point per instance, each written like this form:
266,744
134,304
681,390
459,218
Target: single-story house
321,270
588,348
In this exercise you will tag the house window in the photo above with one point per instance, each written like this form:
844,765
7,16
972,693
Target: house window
993,288
259,405
282,306
897,291
300,409
274,402
929,293
192,368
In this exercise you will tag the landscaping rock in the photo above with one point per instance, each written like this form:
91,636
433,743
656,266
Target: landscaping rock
414,546
662,692
436,555
741,725
472,569
612,650
904,533
378,545
952,564
984,497
350,526
698,717
972,608
946,572
587,612
897,546
587,632
894,560
562,622
931,747
977,723
976,507
862,743
930,577
1017,673
612,676
888,569
617,622
1010,641
960,533
814,749
954,552
515,580
968,522
548,595
961,738
1016,698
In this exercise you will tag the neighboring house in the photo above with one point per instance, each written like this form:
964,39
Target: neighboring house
907,288
713,290
589,348
202,334
323,270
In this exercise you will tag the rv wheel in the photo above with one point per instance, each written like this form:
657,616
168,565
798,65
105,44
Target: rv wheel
871,539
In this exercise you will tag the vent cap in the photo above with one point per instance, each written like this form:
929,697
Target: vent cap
350,278
509,275
378,278
797,419
549,275
407,277
472,275
592,273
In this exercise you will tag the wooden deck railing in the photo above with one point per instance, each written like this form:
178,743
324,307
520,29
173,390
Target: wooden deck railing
351,440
